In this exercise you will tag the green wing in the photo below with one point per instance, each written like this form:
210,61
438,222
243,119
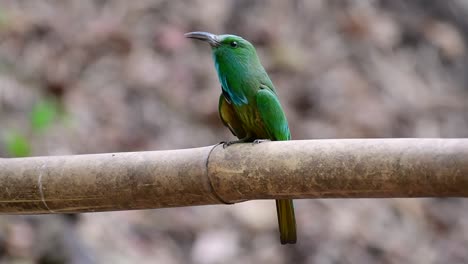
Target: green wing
272,115
277,128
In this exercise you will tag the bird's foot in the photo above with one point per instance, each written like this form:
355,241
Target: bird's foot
242,140
258,141
229,143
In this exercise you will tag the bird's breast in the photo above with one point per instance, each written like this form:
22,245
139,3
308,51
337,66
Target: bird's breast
251,120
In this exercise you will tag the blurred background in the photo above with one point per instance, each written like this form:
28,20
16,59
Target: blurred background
103,76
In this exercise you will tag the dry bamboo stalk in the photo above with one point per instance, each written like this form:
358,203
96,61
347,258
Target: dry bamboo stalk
212,175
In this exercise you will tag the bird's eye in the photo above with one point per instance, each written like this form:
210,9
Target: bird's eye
234,44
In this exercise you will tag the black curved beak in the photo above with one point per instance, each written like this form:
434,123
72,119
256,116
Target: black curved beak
212,39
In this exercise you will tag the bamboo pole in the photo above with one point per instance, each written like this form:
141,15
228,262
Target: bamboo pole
345,168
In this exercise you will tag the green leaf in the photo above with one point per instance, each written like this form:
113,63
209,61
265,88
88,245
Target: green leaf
17,145
3,18
43,114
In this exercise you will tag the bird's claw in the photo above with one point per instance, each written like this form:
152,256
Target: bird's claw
258,141
227,143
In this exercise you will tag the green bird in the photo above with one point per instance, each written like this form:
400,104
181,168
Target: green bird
249,105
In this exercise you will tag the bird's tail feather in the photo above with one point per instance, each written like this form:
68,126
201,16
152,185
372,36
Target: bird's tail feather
286,221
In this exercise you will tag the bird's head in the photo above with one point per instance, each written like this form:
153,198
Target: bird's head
231,46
